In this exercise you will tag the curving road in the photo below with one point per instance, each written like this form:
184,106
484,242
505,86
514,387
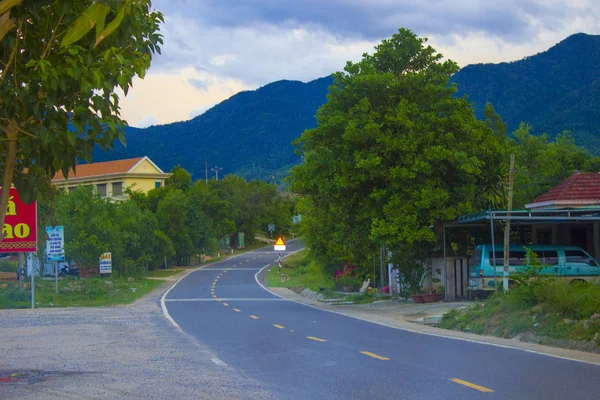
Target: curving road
299,352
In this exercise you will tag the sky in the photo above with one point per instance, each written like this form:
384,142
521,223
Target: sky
214,49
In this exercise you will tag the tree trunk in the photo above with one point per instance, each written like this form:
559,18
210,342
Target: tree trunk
11,132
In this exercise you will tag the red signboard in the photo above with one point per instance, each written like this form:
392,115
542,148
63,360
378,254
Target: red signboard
20,226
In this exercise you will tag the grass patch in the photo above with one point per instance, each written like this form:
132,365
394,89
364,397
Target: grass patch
540,310
162,273
302,272
74,292
8,266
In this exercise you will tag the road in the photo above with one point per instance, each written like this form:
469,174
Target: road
299,352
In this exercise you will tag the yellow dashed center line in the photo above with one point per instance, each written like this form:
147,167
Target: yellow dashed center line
316,339
368,353
471,385
247,260
253,317
279,326
237,310
214,295
225,304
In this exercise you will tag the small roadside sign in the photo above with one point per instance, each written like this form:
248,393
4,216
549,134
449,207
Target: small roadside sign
55,244
105,263
271,227
280,244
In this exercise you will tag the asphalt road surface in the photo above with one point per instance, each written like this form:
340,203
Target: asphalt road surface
299,352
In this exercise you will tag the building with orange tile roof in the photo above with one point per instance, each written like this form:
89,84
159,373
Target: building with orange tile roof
111,178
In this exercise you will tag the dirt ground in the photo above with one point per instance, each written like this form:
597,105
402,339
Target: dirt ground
123,352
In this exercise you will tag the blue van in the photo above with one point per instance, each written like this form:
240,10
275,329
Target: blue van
568,262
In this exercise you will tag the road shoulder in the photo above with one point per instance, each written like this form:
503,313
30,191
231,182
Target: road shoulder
399,321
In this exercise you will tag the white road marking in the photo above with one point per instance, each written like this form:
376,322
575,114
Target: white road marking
229,269
226,299
417,331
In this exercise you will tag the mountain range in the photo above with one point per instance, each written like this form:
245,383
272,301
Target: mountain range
250,134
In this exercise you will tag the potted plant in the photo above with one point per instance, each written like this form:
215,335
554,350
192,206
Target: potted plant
347,279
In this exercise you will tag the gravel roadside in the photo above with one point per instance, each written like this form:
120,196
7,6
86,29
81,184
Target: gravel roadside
121,352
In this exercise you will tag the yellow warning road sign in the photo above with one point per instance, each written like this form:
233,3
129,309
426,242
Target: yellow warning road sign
279,244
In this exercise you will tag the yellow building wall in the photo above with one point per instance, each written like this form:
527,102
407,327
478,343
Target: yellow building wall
141,184
135,183
145,167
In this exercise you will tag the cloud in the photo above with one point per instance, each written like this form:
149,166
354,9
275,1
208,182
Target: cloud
199,111
147,121
216,48
169,96
376,19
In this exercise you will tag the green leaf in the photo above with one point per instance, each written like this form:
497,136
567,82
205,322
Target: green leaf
71,138
121,136
110,28
82,25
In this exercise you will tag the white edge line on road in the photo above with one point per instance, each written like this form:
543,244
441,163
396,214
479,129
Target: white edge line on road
162,299
225,299
416,331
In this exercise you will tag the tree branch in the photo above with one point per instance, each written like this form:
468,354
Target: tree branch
54,35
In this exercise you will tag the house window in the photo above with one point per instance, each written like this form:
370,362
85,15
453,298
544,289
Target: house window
72,189
117,188
157,184
101,189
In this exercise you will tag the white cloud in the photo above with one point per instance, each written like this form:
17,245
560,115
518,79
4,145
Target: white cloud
147,121
214,49
170,97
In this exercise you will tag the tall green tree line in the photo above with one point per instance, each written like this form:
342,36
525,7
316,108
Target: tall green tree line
177,221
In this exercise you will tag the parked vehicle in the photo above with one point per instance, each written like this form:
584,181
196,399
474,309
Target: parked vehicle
66,270
567,262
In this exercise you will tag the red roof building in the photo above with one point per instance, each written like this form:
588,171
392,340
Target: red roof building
112,178
578,190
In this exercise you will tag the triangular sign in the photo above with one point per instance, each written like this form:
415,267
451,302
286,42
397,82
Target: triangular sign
280,241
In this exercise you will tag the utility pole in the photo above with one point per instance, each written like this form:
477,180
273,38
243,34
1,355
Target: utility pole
206,170
274,180
216,169
507,226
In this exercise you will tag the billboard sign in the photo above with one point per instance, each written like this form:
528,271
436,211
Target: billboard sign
105,263
55,243
20,226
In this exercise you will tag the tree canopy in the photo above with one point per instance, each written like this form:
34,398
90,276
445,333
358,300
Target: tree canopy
394,154
61,62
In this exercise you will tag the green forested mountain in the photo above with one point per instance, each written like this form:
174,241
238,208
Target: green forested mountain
250,134
553,91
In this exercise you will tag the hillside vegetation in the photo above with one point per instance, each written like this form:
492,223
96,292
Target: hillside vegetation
251,133
552,91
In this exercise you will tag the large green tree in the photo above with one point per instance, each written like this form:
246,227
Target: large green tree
61,63
394,154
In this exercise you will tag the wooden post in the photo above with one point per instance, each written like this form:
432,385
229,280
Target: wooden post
507,226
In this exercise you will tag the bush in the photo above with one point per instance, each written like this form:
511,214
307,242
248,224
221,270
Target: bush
576,300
